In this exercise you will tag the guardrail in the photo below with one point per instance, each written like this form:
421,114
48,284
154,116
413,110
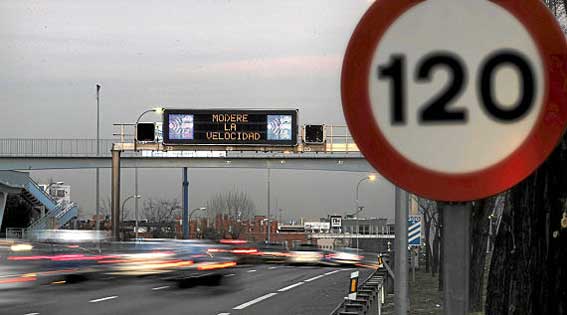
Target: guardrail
369,298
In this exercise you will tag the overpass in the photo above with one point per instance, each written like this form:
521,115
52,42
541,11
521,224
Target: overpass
337,152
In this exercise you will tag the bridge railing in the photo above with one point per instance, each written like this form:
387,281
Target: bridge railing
337,139
54,147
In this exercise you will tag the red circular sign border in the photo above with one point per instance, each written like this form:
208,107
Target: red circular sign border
541,141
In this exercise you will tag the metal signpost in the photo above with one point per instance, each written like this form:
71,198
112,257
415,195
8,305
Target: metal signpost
414,241
460,112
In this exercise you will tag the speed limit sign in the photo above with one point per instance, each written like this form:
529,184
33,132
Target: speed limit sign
456,100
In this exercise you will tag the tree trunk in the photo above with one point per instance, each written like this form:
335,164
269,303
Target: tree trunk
528,273
436,251
479,227
427,226
441,209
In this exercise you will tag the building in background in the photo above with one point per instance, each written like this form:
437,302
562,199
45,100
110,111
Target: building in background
58,191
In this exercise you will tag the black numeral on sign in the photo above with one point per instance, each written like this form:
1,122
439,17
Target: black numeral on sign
526,99
396,71
436,110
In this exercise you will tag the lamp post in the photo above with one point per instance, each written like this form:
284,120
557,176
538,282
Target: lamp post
97,188
370,178
136,215
191,214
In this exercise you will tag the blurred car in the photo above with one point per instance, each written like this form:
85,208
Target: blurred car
14,274
306,254
345,256
273,253
182,261
244,252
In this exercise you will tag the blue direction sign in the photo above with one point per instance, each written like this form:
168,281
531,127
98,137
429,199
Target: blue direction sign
414,230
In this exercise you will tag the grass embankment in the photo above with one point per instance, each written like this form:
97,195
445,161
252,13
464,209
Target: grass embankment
425,298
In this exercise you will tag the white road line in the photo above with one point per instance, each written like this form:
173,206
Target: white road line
103,299
223,314
254,301
229,275
32,314
315,278
271,268
253,270
332,272
290,286
160,288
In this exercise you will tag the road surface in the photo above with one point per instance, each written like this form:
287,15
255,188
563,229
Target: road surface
260,289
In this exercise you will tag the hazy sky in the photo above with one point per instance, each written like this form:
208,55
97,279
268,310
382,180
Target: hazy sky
181,54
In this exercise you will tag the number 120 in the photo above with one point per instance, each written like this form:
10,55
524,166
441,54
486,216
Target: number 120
435,110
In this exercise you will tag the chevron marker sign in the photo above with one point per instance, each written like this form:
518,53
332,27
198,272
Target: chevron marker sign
414,231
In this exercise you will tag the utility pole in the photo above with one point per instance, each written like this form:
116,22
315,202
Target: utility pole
268,217
136,201
97,191
185,217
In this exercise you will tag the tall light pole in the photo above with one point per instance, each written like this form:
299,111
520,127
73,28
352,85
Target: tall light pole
122,209
97,189
370,178
190,215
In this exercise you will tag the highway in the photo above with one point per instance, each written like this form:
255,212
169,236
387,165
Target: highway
253,289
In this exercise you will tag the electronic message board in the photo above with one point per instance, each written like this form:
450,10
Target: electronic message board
230,127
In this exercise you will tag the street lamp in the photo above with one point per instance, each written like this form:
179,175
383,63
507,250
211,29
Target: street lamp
136,214
190,215
370,178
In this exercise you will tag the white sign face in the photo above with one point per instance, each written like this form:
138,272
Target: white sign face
444,124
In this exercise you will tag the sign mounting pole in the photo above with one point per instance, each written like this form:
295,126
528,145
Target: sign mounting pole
401,297
456,260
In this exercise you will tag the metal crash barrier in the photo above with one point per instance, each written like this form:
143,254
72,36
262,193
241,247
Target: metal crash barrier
368,298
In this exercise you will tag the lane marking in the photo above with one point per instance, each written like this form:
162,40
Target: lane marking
291,286
254,301
229,275
223,314
103,299
253,270
32,314
272,268
315,278
160,288
332,272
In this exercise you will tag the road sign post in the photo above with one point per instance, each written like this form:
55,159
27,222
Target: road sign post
456,260
401,296
466,109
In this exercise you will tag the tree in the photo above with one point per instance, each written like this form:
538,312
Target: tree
161,215
528,270
234,205
480,222
428,210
